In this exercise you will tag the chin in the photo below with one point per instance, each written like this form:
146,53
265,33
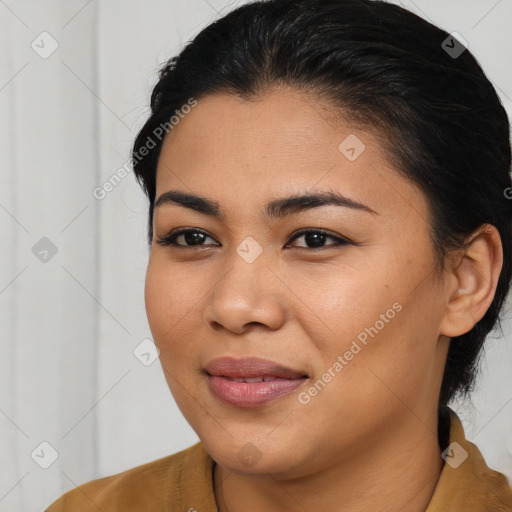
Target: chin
258,457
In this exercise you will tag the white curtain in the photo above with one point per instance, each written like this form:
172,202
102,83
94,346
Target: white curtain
75,79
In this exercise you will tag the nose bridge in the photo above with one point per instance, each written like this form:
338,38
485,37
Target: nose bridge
248,271
248,292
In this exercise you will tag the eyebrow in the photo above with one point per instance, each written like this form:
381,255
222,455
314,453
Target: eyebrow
275,209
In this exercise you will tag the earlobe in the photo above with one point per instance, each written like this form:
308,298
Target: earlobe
475,278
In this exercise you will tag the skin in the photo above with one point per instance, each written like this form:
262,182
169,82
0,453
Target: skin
375,423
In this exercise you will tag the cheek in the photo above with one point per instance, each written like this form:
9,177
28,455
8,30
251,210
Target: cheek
388,355
168,301
174,301
168,288
157,301
169,310
376,317
337,302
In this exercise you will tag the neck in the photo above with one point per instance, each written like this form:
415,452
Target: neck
398,472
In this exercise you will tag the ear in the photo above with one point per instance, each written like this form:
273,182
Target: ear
472,279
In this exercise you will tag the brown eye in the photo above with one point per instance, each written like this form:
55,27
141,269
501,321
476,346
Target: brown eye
317,237
191,237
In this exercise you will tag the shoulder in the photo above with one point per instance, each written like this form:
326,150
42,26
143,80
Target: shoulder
156,483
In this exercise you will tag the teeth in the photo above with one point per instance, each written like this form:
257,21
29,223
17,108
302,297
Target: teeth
253,379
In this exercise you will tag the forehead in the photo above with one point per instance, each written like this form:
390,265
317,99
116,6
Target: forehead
282,122
285,141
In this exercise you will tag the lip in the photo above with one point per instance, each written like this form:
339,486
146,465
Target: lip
250,367
221,371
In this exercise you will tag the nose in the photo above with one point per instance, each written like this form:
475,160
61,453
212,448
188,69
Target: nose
248,294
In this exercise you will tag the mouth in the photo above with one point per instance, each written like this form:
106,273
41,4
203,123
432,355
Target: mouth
251,382
251,379
251,367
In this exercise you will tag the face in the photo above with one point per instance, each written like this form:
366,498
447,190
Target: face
352,309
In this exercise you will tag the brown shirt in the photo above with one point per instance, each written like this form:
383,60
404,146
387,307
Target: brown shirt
183,483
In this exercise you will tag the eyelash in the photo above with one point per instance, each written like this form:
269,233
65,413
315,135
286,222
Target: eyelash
170,239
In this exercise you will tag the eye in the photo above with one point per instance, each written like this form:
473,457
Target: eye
316,237
196,237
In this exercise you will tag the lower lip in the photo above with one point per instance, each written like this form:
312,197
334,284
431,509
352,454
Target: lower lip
252,394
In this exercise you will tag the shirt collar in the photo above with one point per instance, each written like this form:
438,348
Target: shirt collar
466,482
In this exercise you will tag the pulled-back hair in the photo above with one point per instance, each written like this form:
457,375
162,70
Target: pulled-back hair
438,116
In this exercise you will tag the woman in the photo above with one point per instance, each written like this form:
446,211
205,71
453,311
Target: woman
330,243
